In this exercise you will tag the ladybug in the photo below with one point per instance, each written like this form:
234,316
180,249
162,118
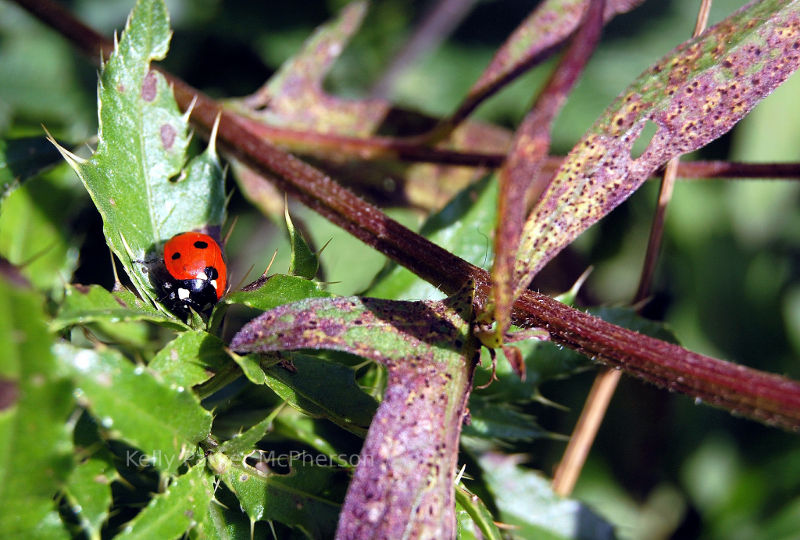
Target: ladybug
196,275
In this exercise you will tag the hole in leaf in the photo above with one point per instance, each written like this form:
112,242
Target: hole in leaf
643,140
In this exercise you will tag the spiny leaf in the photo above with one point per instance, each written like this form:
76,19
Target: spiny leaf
477,521
277,290
521,178
304,262
694,95
303,498
172,513
165,423
136,178
35,403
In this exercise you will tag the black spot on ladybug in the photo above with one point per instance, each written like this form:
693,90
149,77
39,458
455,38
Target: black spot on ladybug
201,245
176,256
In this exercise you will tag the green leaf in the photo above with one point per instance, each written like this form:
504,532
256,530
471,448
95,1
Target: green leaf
464,226
165,423
177,510
89,488
190,359
94,304
302,498
277,290
526,501
242,444
304,262
474,519
693,95
136,177
33,235
323,389
251,367
493,420
224,520
35,403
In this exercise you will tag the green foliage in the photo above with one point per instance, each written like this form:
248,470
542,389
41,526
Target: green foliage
117,419
35,456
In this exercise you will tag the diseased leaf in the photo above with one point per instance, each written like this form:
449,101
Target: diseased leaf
163,422
526,501
294,97
303,498
137,177
521,177
693,95
35,403
534,40
404,482
175,511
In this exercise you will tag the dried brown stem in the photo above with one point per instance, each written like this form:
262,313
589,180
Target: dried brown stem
748,392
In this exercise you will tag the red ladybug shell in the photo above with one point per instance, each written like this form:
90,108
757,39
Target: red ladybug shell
187,255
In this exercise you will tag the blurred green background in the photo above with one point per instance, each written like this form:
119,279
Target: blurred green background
727,282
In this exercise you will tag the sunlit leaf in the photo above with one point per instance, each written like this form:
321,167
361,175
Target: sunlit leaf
191,358
163,422
172,513
304,262
138,178
300,499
